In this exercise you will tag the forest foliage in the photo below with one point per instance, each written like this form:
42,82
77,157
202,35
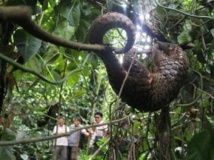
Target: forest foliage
40,81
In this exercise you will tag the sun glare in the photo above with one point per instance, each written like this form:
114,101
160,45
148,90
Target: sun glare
143,40
124,5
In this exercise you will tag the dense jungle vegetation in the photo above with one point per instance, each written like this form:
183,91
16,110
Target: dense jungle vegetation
40,80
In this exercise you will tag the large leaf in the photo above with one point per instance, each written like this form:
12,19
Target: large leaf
184,37
8,135
63,30
73,79
35,64
27,45
161,12
6,153
77,94
76,15
70,12
82,29
201,146
56,75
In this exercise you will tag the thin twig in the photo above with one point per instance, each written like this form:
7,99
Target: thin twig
184,13
24,141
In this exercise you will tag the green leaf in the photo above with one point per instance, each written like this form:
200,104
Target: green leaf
56,75
208,124
63,30
201,146
73,79
6,153
35,64
161,12
76,15
70,12
52,50
52,3
82,29
184,37
27,45
8,135
137,126
51,58
77,94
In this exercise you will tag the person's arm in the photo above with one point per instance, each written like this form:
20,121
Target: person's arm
84,131
105,130
90,131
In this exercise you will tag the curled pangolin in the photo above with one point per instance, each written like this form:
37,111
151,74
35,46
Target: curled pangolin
144,90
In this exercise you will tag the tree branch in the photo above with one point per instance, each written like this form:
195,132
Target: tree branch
22,16
8,143
184,13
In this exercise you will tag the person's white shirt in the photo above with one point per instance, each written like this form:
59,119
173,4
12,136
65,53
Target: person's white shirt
101,130
61,141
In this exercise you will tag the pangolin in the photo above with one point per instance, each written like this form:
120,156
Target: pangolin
144,89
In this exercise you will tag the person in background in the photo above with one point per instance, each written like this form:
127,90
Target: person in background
99,132
74,138
60,150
